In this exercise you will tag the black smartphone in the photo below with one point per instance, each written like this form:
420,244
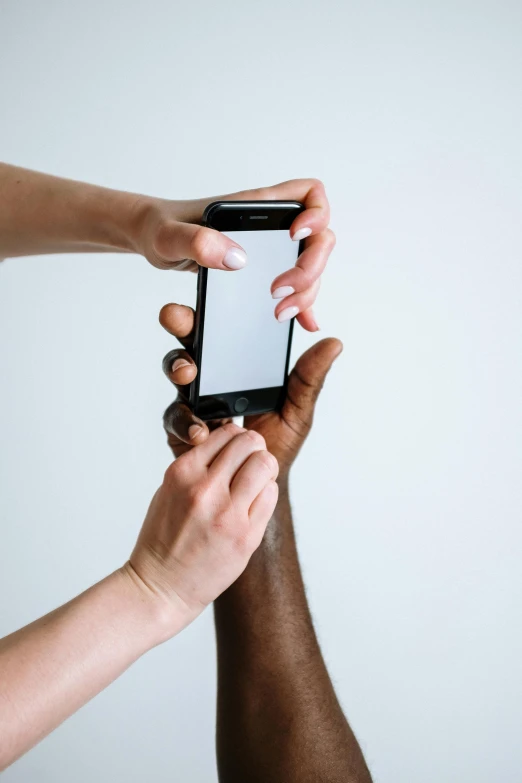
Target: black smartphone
241,350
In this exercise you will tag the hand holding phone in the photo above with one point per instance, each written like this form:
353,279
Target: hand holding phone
171,236
284,430
241,351
179,364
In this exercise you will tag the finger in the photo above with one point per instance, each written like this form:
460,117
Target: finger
217,441
309,191
181,423
178,320
213,424
179,367
306,381
307,320
176,241
235,453
252,477
308,268
316,214
297,303
262,509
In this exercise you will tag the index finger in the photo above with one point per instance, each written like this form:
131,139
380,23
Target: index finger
310,192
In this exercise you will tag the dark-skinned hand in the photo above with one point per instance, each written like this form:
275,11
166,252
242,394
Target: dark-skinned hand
284,431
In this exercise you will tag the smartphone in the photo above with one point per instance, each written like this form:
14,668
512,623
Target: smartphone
241,350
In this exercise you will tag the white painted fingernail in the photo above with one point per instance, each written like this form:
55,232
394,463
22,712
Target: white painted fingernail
235,258
302,234
282,291
287,313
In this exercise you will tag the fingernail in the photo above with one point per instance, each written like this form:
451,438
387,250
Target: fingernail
235,258
302,233
287,313
194,430
179,363
282,291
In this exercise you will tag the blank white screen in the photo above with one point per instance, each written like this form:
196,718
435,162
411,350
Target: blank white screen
244,346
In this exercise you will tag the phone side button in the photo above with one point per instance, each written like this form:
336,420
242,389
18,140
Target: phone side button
241,405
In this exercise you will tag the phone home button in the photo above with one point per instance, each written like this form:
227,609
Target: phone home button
241,405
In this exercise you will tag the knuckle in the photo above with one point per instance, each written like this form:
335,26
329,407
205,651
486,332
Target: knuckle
310,295
315,182
175,470
220,526
305,278
224,524
169,418
256,437
231,429
331,239
272,489
238,529
267,460
199,496
243,544
262,193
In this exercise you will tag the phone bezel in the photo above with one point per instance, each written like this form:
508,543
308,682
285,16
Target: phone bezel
236,216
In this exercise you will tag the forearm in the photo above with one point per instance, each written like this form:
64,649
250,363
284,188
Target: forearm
55,665
278,715
42,214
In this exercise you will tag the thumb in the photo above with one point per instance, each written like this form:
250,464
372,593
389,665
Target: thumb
175,241
306,381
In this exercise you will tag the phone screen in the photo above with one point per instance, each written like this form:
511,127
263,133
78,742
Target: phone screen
244,346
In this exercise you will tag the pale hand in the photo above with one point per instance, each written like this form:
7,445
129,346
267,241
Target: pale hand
205,521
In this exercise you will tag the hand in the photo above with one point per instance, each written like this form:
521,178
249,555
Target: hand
284,431
170,237
205,521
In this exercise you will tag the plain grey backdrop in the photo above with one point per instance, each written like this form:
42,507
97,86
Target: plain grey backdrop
408,495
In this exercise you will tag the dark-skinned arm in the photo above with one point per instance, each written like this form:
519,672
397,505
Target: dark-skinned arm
278,715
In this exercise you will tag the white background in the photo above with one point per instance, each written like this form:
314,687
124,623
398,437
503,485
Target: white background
244,347
408,495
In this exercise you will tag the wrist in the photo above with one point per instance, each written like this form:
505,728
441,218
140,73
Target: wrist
283,484
118,218
159,616
140,218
